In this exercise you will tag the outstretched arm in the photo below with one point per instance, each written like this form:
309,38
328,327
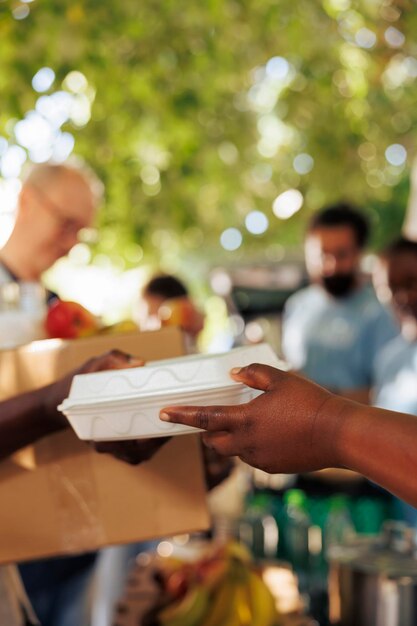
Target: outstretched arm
297,426
28,417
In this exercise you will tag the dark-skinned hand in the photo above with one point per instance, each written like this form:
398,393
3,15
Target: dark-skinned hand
131,451
292,427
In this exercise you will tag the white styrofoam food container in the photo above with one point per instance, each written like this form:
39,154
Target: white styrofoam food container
125,404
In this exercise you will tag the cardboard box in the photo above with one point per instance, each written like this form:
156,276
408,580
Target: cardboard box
60,497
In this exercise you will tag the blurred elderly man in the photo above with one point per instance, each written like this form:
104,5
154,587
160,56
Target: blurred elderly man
55,203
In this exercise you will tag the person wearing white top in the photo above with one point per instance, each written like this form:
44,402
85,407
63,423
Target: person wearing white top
54,204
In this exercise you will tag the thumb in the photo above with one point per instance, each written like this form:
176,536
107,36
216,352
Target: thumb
263,377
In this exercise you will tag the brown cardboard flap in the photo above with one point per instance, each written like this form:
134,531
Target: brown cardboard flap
60,497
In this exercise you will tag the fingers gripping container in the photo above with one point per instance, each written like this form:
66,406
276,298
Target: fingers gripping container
125,404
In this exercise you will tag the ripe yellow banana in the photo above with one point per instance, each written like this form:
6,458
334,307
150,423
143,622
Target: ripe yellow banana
220,609
230,601
262,602
242,604
189,611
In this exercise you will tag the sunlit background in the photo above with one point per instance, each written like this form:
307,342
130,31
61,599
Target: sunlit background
217,128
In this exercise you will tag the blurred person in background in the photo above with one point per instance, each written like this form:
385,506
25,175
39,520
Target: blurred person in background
55,203
334,328
165,301
395,279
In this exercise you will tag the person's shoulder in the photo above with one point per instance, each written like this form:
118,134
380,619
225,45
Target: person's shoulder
392,351
379,325
368,296
304,296
371,305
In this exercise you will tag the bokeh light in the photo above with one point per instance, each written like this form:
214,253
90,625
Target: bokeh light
394,37
34,132
231,239
56,108
303,163
80,112
80,254
20,11
43,79
396,154
150,175
365,38
288,203
256,222
63,147
42,154
411,66
75,82
12,162
274,135
254,332
367,151
277,68
220,282
151,190
9,191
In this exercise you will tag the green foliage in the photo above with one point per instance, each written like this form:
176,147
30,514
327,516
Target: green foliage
170,82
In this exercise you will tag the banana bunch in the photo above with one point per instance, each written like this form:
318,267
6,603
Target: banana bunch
226,591
189,611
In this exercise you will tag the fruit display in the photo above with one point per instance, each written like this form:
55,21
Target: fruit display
70,320
220,587
223,587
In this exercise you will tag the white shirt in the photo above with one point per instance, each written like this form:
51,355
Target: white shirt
334,341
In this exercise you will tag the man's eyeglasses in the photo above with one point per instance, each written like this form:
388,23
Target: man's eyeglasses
67,225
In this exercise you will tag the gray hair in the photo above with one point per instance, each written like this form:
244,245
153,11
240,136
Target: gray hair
40,174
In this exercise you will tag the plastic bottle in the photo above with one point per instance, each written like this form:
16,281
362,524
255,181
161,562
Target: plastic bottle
339,527
258,528
296,534
369,514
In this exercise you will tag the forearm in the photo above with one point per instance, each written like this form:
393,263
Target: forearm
357,395
381,445
24,419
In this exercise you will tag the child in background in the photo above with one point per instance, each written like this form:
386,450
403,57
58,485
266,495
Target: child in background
166,302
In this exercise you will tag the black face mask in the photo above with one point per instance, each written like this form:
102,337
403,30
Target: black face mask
339,285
